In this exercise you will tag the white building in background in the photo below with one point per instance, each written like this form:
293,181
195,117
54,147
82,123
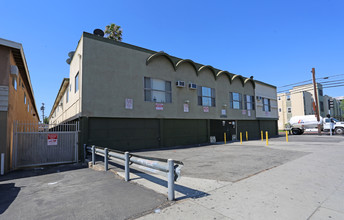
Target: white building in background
299,101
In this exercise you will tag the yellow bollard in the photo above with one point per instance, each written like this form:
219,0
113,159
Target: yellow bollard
261,134
246,136
267,138
224,136
286,136
240,138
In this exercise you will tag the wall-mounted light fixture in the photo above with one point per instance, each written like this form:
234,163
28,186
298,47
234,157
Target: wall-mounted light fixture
187,101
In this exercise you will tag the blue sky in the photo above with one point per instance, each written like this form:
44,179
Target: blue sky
277,42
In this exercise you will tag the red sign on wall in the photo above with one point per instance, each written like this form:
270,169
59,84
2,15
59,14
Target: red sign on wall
52,139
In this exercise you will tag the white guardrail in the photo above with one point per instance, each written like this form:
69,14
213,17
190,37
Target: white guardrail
167,167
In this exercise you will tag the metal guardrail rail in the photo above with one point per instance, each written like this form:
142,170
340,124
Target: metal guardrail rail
169,167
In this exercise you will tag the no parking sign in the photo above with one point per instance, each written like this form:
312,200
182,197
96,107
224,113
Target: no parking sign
52,139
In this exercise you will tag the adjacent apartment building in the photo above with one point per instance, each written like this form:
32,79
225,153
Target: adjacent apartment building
17,101
299,101
127,97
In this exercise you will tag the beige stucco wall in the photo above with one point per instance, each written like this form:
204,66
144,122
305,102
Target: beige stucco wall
282,115
113,73
269,92
66,110
297,103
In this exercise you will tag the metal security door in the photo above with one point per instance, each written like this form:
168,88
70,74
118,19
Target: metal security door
36,144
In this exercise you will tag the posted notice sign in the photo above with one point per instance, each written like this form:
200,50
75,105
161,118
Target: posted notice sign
52,139
159,106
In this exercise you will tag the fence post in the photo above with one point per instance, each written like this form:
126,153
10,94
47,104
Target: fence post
84,152
106,157
126,166
93,155
170,183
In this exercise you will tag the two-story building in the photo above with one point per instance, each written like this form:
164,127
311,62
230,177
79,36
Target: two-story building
127,97
17,101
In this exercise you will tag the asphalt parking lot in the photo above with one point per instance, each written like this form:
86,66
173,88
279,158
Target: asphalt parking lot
73,192
230,162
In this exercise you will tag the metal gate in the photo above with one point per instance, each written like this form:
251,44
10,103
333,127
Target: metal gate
37,144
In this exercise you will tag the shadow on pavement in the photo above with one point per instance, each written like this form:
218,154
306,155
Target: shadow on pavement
37,171
8,193
186,191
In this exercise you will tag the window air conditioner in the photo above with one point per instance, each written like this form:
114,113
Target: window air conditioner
192,86
259,98
180,84
14,70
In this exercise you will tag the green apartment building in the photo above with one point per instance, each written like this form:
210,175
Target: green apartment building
128,98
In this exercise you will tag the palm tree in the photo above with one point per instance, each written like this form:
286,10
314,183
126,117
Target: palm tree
114,32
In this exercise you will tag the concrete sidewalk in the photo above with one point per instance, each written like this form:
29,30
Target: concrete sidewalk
308,187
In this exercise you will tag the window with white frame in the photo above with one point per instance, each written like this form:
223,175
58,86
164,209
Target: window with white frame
156,90
249,102
266,105
206,96
235,100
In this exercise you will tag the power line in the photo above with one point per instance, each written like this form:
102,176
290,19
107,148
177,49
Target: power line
326,77
310,89
323,83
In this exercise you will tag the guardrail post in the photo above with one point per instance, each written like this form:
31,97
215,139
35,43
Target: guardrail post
84,151
106,157
170,183
93,155
126,166
2,163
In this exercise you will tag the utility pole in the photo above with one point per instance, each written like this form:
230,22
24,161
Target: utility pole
42,108
316,101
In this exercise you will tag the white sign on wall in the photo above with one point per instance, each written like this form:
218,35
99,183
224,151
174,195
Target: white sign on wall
186,107
205,109
159,106
223,111
52,139
128,103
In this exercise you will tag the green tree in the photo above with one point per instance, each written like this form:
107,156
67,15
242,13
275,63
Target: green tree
114,32
46,120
